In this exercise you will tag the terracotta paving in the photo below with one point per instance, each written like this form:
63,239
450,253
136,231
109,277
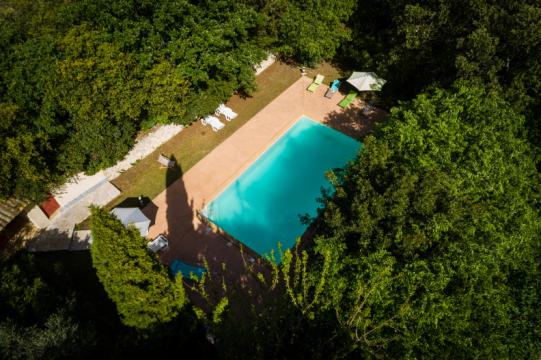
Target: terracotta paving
174,210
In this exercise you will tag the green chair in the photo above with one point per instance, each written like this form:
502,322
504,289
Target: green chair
317,81
348,99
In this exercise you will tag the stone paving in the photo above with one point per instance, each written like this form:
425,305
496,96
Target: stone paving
145,146
58,235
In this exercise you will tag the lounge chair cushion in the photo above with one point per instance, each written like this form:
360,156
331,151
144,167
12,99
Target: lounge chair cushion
334,86
317,81
348,99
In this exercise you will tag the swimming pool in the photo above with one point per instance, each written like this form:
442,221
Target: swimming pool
261,207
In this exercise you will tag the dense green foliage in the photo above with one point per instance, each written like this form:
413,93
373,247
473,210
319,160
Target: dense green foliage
138,284
308,30
80,78
52,306
417,44
279,316
35,321
59,338
434,234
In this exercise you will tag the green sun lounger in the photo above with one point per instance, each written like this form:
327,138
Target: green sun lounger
348,99
317,81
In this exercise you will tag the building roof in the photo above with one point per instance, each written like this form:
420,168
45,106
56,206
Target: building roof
132,216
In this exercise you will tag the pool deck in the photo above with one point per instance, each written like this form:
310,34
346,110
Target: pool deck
173,212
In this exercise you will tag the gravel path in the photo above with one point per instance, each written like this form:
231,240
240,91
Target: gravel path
143,148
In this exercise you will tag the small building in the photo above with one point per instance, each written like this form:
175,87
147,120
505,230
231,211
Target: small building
81,190
132,216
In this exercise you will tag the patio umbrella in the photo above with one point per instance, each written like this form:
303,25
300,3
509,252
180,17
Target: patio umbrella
366,81
132,216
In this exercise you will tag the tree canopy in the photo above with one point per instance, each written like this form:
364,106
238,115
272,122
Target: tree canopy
52,306
434,233
415,45
79,79
138,284
37,320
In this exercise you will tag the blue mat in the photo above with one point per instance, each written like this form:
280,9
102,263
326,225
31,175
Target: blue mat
185,269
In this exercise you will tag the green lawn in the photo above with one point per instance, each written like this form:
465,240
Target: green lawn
147,179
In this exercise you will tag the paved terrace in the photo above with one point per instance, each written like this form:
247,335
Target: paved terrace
174,211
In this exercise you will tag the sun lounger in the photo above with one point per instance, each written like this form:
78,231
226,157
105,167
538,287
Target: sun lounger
213,121
227,112
186,270
333,89
348,99
317,81
160,243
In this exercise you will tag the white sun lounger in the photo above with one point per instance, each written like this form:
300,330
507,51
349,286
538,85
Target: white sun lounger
226,111
213,121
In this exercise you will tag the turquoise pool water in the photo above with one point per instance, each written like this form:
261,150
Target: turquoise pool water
261,207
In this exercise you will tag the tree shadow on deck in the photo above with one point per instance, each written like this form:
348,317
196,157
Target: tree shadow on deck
192,241
356,120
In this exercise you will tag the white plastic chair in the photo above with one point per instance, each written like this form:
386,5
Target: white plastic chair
160,243
227,112
213,121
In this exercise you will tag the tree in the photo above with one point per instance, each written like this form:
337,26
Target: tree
415,45
139,285
28,129
79,80
435,233
59,338
308,31
276,316
167,92
52,305
98,90
37,318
